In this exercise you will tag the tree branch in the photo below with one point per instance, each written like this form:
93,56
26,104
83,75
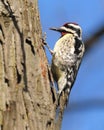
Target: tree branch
91,41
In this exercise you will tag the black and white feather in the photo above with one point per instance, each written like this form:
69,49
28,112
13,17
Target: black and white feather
67,55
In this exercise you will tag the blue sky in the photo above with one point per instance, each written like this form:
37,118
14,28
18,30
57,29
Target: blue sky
86,104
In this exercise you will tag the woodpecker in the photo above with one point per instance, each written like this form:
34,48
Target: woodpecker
66,57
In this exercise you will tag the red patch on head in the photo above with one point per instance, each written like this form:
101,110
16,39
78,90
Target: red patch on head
63,33
66,24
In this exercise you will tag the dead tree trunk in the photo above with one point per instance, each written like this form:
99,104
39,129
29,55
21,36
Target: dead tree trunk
27,102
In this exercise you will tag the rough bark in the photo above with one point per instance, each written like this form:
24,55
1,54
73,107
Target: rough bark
28,100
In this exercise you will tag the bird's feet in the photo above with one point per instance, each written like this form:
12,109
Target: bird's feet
46,44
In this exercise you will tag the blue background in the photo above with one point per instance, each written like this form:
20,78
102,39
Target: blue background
85,109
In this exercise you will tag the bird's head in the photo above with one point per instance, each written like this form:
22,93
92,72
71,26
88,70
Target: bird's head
72,28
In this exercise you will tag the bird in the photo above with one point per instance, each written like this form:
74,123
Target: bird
66,57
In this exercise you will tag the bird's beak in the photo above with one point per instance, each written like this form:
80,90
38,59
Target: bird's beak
56,29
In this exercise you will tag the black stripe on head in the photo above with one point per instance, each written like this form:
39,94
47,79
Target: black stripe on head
76,28
67,24
78,31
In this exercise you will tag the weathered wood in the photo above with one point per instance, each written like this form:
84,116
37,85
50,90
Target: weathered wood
27,102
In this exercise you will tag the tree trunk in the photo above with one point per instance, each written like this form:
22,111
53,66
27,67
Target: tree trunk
27,100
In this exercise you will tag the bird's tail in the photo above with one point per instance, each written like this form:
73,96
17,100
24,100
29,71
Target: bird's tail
66,85
64,94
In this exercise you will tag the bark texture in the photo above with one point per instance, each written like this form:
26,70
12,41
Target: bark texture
27,102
